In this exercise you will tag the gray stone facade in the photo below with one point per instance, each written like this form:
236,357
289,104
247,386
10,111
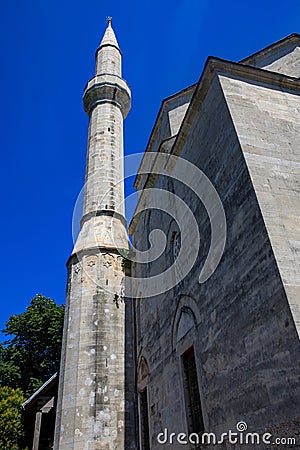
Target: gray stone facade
241,128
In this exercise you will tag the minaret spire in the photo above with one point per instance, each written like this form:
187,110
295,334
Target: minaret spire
91,401
109,57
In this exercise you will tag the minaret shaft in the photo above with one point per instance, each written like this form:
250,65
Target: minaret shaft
108,61
104,186
91,400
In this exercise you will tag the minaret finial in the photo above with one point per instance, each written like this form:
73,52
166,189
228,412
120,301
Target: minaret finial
109,19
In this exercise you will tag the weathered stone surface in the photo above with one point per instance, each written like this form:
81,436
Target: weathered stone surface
267,122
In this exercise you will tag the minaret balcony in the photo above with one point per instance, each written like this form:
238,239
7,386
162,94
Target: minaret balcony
107,88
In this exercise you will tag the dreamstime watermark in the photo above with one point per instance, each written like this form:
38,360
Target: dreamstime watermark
239,436
191,178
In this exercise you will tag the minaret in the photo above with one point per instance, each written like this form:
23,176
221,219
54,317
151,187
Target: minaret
91,399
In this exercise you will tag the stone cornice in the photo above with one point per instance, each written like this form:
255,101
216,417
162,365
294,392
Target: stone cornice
103,212
77,256
107,88
216,67
254,74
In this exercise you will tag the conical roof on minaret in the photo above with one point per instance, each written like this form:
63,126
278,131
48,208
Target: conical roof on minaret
109,37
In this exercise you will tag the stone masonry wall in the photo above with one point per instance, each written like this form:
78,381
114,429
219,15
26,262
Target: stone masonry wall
267,122
244,337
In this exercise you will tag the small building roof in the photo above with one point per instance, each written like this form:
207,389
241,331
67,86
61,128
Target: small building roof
41,391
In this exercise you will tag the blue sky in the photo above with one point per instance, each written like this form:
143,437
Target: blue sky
47,56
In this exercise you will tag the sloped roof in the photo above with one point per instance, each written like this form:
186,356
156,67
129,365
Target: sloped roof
41,391
282,46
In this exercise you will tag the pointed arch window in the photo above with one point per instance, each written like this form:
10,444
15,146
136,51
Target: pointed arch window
192,394
143,393
185,344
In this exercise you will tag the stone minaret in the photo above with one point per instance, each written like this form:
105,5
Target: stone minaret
91,399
